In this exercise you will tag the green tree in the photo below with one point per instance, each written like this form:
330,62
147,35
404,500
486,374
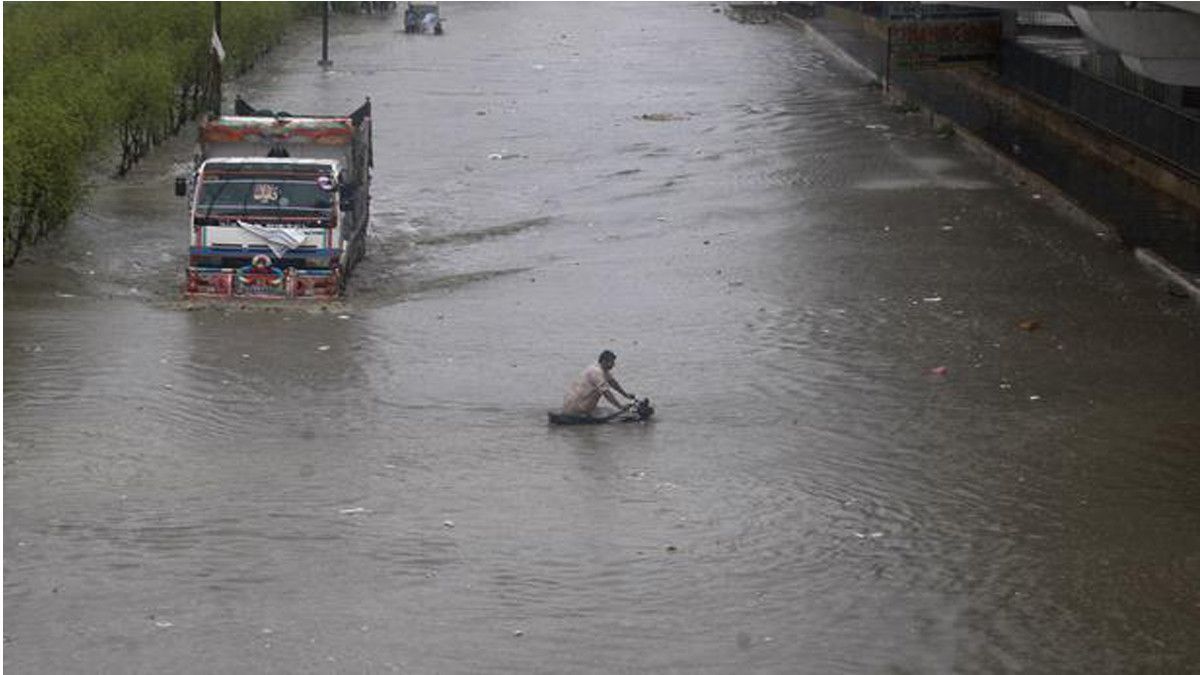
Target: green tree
82,77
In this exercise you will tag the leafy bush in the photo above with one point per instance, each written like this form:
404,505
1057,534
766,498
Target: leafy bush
86,76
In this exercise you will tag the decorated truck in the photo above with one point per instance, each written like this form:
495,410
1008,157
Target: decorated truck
279,203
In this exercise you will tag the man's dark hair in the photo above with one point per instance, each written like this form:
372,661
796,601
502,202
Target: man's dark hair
607,356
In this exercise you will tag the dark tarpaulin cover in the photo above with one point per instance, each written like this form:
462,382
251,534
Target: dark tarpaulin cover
243,109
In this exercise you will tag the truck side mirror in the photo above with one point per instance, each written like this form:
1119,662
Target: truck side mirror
180,186
346,196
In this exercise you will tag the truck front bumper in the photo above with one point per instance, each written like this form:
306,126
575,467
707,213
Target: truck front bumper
270,283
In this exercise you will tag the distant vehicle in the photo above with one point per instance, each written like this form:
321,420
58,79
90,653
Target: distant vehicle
423,17
280,203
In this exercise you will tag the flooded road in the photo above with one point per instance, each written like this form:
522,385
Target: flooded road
910,420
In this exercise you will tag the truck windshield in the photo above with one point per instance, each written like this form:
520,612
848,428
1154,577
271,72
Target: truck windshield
224,196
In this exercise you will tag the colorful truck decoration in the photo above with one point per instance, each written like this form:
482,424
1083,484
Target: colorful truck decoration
279,204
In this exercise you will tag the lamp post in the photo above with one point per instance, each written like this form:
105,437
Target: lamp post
218,54
325,62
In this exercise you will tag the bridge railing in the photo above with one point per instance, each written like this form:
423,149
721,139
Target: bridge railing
1169,133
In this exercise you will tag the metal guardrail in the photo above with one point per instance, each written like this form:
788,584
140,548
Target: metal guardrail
1168,133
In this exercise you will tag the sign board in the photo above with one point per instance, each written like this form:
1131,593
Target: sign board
942,43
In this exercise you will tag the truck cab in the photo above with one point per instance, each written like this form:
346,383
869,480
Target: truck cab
278,206
283,214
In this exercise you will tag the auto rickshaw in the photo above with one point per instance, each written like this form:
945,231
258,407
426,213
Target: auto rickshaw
422,18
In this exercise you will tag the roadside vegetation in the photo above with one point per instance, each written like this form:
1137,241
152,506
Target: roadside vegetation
88,82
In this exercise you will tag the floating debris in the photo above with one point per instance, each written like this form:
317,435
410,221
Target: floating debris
662,117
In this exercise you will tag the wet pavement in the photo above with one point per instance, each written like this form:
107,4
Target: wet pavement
910,419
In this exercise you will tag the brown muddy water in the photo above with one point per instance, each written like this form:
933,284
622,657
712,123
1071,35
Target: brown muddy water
910,419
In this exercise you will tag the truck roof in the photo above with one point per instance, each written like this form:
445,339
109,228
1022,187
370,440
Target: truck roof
268,163
327,131
270,160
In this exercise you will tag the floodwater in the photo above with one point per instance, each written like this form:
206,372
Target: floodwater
910,418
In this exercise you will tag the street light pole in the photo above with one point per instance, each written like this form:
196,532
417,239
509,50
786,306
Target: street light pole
325,62
216,60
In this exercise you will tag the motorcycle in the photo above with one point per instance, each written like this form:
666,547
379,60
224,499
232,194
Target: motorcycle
638,411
